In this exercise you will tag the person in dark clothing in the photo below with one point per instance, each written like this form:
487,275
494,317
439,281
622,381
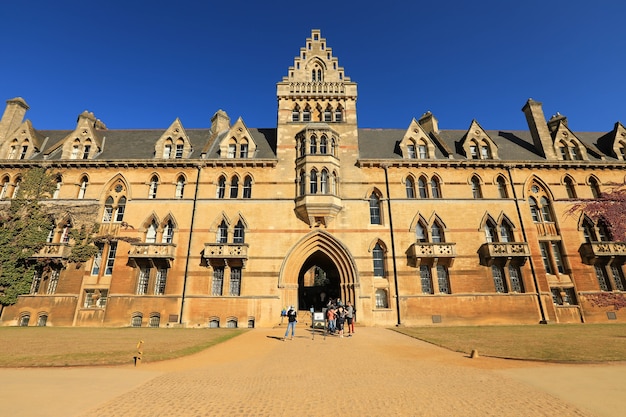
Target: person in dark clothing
292,317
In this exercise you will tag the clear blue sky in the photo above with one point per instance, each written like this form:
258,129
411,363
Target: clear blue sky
141,64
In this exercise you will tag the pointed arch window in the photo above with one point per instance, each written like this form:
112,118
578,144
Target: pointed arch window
154,185
180,187
234,187
410,150
151,233
506,232
485,151
324,181
378,258
569,187
423,150
65,233
5,187
313,145
435,188
168,232
589,231
238,236
167,151
476,190
84,181
221,187
338,114
57,190
313,182
295,114
180,145
323,145
490,231
421,187
243,149
374,203
247,187
12,150
328,114
232,149
604,233
436,233
16,188
86,150
306,114
534,210
24,151
107,216
333,147
502,191
75,150
222,232
302,183
420,233
302,146
595,187
121,207
410,188
546,212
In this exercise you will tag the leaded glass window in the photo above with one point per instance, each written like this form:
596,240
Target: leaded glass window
218,280
142,281
426,279
498,278
443,279
235,281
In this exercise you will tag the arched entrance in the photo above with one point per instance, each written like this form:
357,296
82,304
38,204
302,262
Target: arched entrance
318,281
317,264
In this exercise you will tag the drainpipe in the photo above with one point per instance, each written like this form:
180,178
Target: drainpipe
393,246
530,259
193,218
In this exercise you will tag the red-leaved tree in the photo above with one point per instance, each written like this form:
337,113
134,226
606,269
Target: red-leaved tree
610,208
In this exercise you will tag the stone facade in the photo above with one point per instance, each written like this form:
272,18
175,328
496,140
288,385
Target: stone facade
225,226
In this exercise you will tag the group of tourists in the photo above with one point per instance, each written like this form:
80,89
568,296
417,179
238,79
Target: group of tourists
339,317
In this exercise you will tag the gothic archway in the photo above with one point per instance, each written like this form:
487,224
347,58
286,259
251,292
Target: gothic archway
319,256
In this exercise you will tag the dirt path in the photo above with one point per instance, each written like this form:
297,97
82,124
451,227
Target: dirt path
375,373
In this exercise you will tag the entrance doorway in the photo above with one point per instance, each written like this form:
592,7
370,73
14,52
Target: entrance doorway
318,280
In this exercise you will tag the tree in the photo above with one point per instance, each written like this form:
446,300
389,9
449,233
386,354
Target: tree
609,208
24,227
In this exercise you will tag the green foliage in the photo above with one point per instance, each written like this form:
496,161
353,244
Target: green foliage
84,248
24,228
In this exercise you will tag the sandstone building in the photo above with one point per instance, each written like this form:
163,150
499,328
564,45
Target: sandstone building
225,226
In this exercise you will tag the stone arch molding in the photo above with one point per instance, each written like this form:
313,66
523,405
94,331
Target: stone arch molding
311,243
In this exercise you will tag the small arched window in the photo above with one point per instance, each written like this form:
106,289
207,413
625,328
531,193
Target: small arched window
168,232
323,145
107,216
154,185
333,147
151,233
313,145
243,149
423,150
57,190
295,114
589,231
302,183
381,298
410,150
238,236
595,187
247,187
84,181
121,207
5,187
546,213
221,187
222,232
378,258
436,233
374,209
234,187
306,114
435,188
410,188
313,182
476,190
421,187
506,231
167,149
502,191
534,209
569,187
490,231
180,187
16,188
420,233
180,146
302,146
324,181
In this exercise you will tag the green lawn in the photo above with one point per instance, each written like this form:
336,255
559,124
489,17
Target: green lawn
80,346
559,343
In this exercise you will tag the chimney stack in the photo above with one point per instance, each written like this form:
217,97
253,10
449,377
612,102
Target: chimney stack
539,129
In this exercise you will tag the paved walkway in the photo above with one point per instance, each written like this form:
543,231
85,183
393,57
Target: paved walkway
375,373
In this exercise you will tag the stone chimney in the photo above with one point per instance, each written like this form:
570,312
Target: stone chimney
13,116
219,122
429,122
539,129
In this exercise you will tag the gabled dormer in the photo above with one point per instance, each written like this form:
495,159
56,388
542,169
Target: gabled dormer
22,143
617,139
173,143
566,145
477,144
85,142
237,143
416,143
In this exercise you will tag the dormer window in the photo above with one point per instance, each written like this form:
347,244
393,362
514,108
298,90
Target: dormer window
167,151
232,149
12,152
23,153
179,148
485,152
473,152
243,149
86,150
423,151
410,151
75,151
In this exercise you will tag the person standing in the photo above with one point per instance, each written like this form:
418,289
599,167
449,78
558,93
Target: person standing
350,318
292,319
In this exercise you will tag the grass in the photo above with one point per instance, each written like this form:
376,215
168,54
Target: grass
575,343
79,346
